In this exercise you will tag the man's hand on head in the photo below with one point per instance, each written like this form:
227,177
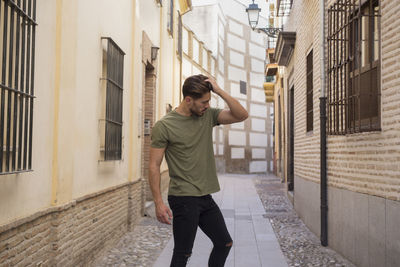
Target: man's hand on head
215,88
163,213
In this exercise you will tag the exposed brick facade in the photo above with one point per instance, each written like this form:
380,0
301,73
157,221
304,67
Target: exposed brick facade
363,169
304,20
72,234
148,114
363,162
369,162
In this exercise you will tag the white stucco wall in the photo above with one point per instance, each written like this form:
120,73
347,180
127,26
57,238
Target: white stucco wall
68,107
237,138
239,60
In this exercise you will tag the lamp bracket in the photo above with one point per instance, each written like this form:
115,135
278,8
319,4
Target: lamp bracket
271,32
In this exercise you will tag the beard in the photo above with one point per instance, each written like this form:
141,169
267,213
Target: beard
197,112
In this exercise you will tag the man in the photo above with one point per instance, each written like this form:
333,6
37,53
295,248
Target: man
185,137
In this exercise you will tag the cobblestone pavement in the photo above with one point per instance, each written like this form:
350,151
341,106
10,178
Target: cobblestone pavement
299,245
139,248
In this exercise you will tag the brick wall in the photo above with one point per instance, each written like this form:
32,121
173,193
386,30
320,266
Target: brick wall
73,234
363,168
365,162
304,20
148,114
369,162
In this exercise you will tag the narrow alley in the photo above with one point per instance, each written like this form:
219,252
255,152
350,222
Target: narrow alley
109,108
266,231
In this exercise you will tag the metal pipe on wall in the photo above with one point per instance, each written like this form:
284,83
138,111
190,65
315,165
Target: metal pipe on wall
324,193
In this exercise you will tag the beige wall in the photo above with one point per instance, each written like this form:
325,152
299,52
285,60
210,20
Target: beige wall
68,105
111,21
168,85
20,194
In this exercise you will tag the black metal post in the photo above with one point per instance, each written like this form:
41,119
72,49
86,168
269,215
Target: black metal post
324,193
322,108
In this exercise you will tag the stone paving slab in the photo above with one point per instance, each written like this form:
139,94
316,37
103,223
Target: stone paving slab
300,246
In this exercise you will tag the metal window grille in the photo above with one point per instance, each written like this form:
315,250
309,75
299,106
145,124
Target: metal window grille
310,115
283,8
114,93
17,57
353,66
170,25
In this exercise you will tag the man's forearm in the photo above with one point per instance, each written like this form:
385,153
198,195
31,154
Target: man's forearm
163,213
154,181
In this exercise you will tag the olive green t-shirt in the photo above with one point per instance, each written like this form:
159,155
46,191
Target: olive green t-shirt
189,152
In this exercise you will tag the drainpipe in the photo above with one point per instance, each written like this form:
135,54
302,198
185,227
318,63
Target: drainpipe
324,198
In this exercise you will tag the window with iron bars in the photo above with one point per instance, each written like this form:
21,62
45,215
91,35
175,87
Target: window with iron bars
17,69
113,69
354,66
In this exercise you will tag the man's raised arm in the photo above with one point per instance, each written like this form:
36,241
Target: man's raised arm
235,113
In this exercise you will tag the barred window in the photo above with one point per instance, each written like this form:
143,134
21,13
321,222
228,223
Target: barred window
113,68
17,57
309,99
354,66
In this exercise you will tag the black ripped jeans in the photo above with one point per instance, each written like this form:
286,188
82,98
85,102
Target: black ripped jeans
190,212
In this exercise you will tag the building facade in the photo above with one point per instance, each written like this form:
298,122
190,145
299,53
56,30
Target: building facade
362,141
82,84
245,147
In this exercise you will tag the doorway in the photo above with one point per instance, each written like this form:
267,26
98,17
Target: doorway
149,94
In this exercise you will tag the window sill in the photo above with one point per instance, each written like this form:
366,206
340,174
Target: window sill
15,172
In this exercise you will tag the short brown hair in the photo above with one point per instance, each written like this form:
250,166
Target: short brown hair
195,86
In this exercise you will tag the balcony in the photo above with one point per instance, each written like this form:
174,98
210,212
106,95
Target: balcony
285,47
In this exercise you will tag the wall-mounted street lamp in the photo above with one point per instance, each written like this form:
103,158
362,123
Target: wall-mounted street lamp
253,12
